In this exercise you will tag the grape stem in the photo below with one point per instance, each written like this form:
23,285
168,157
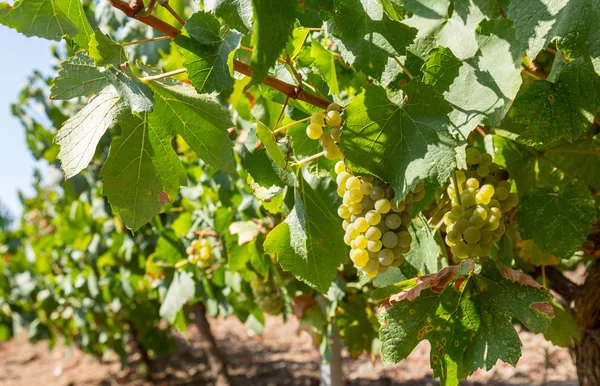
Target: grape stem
282,128
163,75
156,39
403,68
308,159
181,263
456,190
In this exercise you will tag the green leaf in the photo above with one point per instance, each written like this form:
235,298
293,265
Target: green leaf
49,19
400,144
275,153
580,159
78,77
564,331
482,87
273,24
200,121
449,24
368,37
572,24
519,162
106,51
236,13
135,94
142,171
206,55
181,290
558,222
466,319
80,134
325,65
562,109
309,243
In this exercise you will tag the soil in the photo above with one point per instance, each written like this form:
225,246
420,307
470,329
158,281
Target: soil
281,356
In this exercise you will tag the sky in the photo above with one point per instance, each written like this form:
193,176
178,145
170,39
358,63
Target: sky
20,56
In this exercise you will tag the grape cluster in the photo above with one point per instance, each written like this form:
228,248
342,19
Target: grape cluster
376,228
200,253
328,140
266,296
476,219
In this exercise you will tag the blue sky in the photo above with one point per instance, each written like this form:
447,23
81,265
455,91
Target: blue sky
21,55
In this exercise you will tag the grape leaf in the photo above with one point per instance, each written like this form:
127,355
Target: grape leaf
572,24
181,290
482,87
440,24
309,243
564,331
400,144
200,121
136,95
580,159
467,319
367,36
105,51
273,150
49,19
519,162
80,134
273,24
142,171
325,65
236,13
78,77
562,109
558,222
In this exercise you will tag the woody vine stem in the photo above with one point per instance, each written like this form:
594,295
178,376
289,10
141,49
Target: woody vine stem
132,10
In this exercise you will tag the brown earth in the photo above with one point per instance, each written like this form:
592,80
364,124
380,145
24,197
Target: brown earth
282,356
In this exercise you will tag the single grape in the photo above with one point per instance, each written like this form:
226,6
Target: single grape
461,225
314,131
492,225
477,222
386,257
494,204
326,141
485,160
361,224
393,221
473,156
406,218
352,231
355,209
457,211
501,194
468,213
318,118
336,133
409,198
471,235
496,212
500,230
343,211
473,250
460,177
367,203
449,242
454,236
383,205
371,268
366,187
373,233
459,249
334,106
361,242
374,245
361,257
333,118
398,251
448,219
511,201
332,153
404,239
501,175
373,217
419,195
355,196
398,206
487,190
451,192
486,237
473,183
389,239
483,171
345,223
342,178
341,190
397,261
347,239
481,199
486,249
377,193
353,183
383,227
468,199
339,167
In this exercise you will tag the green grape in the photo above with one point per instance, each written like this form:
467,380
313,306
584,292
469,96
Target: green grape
481,199
449,242
342,178
383,227
361,224
336,133
360,257
501,175
389,240
367,203
355,209
408,199
326,141
487,190
318,118
494,204
345,224
343,211
383,205
314,131
473,156
492,224
397,261
386,257
459,249
477,222
486,249
471,235
393,221
406,219
347,239
419,195
461,225
483,171
419,187
481,211
398,207
496,212
504,184
377,193
361,242
365,188
404,239
339,167
333,118
371,268
486,159
473,250
501,193
500,230
352,231
473,183
373,217
353,183
454,236
355,196
467,214
373,233
332,153
486,237
334,106
460,177
468,199
374,245
448,220
341,190
451,192
511,201
457,211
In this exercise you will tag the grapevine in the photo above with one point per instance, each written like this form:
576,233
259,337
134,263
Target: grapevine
200,253
328,140
266,296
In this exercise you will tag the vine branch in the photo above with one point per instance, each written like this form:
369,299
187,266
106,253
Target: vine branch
293,92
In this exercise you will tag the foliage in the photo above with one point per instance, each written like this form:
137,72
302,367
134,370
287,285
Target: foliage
203,137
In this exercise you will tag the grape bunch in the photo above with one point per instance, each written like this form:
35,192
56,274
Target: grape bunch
376,227
328,140
266,296
200,253
476,219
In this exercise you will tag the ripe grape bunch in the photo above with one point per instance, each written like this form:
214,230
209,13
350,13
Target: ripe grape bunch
376,228
267,297
328,140
476,219
200,253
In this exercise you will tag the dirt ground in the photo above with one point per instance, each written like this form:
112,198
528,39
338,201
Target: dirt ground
280,357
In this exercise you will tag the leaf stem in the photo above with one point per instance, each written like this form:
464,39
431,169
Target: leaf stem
172,12
403,68
456,190
308,159
533,74
282,128
181,263
163,75
156,39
